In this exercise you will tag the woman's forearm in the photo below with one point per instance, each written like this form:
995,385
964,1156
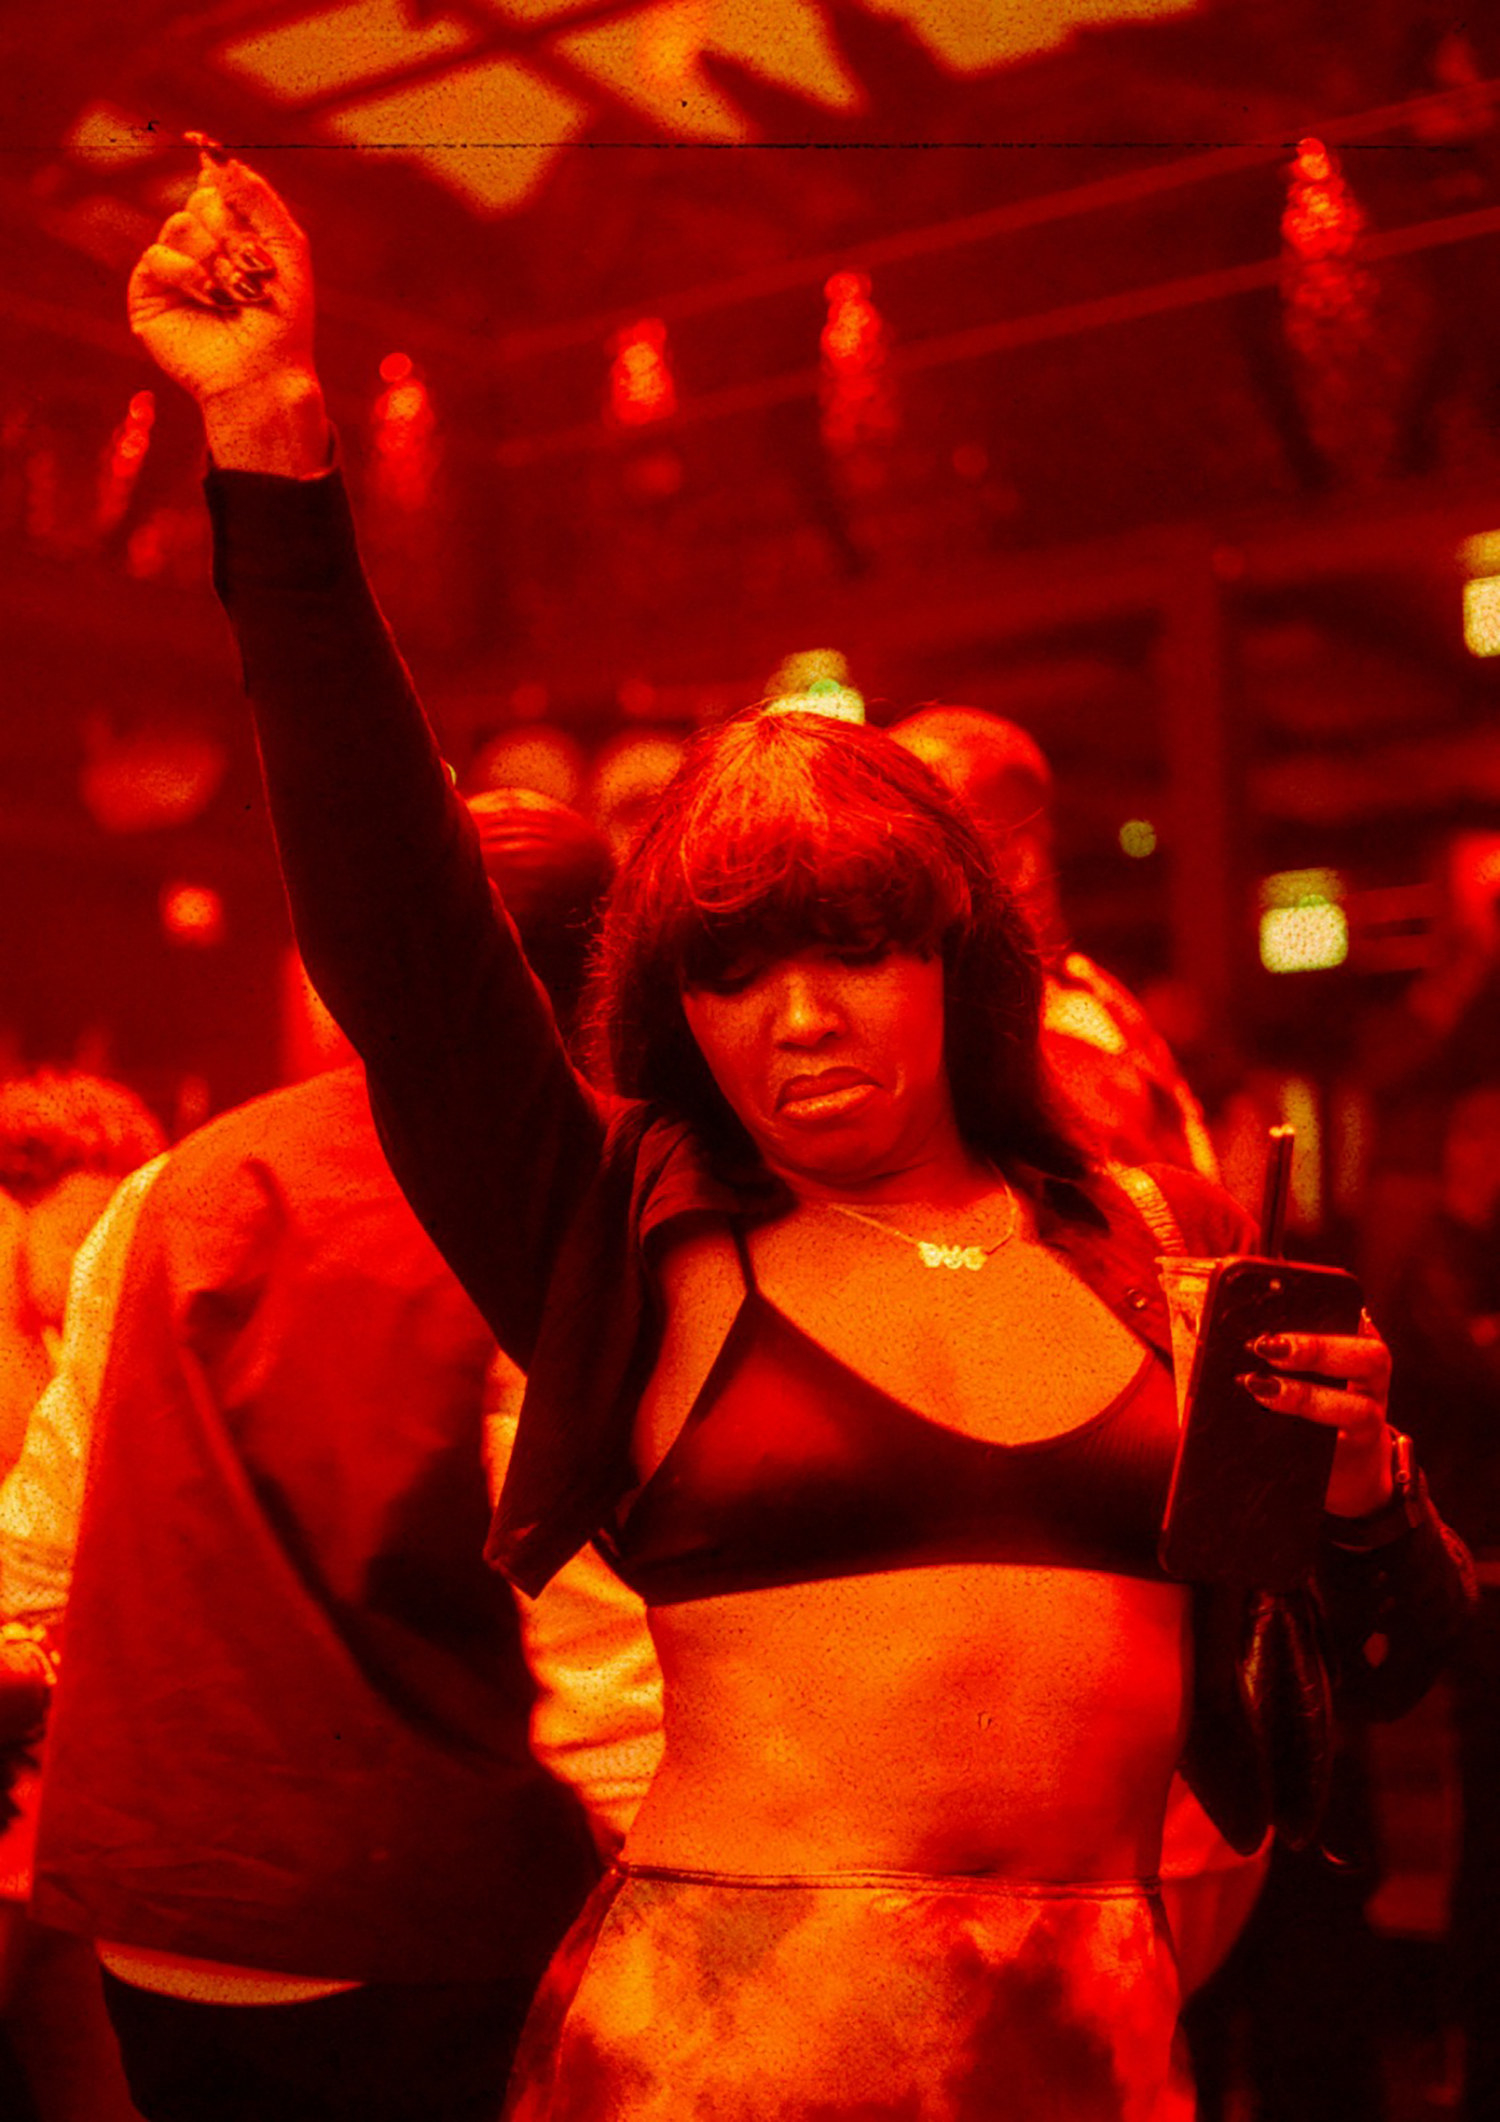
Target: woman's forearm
492,1136
488,1130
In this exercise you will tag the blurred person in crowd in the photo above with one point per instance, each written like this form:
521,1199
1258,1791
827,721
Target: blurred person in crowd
1304,1987
897,1528
1416,1053
67,1139
627,781
1125,1093
531,755
289,1789
1445,1322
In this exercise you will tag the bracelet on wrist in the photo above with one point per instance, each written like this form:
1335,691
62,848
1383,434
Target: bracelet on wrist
1404,1508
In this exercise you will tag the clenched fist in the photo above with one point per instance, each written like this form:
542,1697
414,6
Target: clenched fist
223,302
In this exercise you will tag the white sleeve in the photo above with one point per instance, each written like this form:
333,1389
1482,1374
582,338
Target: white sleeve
41,1497
597,1720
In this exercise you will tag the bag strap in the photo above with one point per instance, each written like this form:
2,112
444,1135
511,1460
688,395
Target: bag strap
1156,1211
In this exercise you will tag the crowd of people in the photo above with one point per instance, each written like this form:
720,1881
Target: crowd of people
600,1559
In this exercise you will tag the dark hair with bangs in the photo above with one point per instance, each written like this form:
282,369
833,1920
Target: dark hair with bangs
786,829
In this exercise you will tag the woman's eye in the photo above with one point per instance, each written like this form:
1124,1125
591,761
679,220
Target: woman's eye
862,953
733,980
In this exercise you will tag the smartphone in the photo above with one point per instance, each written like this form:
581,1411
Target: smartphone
1245,1504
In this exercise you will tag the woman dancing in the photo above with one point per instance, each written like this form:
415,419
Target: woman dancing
850,1364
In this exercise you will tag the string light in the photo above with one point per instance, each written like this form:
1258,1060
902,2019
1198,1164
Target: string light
641,384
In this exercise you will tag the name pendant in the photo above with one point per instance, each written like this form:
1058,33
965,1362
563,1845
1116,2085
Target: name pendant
954,1256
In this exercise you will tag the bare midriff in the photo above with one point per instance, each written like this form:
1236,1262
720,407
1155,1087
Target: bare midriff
980,1717
960,1719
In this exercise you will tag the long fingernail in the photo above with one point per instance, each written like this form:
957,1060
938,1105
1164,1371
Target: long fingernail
250,258
1260,1386
221,297
209,148
245,287
1274,1347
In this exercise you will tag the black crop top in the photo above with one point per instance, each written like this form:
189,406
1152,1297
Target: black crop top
790,1468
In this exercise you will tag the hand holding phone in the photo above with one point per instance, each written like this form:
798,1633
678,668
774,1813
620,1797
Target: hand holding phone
1343,1384
1250,1480
1345,1388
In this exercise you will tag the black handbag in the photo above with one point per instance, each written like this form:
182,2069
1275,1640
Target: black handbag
1260,1745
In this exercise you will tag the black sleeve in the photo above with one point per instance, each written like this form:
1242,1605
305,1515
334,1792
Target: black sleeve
1393,1615
490,1132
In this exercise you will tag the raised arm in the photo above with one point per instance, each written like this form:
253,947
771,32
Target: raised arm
490,1132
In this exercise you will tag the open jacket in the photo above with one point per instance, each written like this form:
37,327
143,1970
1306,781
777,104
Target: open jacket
478,1105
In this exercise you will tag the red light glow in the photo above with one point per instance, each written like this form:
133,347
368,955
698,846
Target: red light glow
1323,219
404,407
1330,295
404,431
192,914
123,459
859,402
641,385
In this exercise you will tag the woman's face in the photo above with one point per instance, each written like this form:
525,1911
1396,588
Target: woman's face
832,1060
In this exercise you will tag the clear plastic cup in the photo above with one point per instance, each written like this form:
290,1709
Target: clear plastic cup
1185,1284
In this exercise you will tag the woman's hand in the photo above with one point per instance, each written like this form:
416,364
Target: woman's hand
1354,1380
223,302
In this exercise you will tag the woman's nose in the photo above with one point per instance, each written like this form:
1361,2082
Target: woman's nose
806,1009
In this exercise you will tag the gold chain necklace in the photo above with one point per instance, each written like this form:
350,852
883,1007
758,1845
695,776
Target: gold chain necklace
933,1252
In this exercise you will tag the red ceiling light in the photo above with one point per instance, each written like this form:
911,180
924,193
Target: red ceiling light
1341,350
859,398
403,429
1323,219
641,384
